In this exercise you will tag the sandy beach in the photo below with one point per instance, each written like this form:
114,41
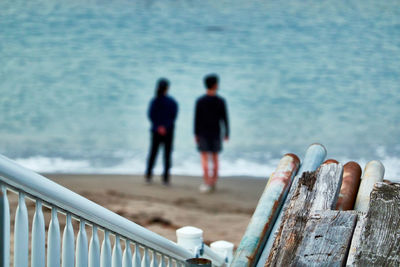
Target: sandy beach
223,215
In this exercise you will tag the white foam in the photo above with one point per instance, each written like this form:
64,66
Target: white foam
238,167
190,167
56,165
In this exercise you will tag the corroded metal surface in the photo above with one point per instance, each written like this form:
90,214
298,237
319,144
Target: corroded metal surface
350,184
266,212
331,161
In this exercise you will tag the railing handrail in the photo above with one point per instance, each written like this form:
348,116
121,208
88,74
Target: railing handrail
40,187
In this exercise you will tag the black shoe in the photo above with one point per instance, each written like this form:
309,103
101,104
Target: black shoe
165,179
148,180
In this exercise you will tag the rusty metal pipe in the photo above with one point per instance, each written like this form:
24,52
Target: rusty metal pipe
330,161
267,210
373,173
348,190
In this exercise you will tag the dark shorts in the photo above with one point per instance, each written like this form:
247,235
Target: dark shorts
209,144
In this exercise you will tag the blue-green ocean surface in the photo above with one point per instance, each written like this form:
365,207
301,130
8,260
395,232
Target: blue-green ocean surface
76,78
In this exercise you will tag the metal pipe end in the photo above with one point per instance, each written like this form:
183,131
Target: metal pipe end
294,157
377,163
320,145
329,161
353,166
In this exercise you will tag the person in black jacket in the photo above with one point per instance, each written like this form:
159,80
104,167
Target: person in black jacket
162,113
210,114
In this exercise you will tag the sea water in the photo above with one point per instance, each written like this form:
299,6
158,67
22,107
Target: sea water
76,78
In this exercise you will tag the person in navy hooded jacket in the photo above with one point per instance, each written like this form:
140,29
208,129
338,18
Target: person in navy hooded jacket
162,113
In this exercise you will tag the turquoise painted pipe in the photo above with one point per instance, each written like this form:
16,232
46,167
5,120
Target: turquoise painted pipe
315,155
261,223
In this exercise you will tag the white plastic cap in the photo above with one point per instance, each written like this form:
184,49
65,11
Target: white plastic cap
224,249
221,245
189,232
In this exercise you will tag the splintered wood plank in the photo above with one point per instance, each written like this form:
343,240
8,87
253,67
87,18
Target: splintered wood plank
380,240
315,191
355,241
326,239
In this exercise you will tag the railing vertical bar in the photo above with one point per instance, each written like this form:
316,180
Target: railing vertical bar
117,253
145,259
53,240
154,261
169,262
82,246
106,250
162,261
68,244
21,235
94,249
4,227
136,261
38,237
127,256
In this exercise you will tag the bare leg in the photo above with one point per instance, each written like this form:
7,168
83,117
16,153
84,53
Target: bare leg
215,169
204,164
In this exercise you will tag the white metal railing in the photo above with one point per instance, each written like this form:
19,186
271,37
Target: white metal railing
149,249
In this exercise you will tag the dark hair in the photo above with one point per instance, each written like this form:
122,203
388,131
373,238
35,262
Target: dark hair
210,80
162,87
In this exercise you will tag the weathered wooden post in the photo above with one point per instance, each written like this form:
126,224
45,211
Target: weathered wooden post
315,155
317,191
350,184
373,173
380,240
264,216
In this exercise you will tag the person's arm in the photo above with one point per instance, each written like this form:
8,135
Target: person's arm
151,112
225,119
196,121
176,109
170,113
